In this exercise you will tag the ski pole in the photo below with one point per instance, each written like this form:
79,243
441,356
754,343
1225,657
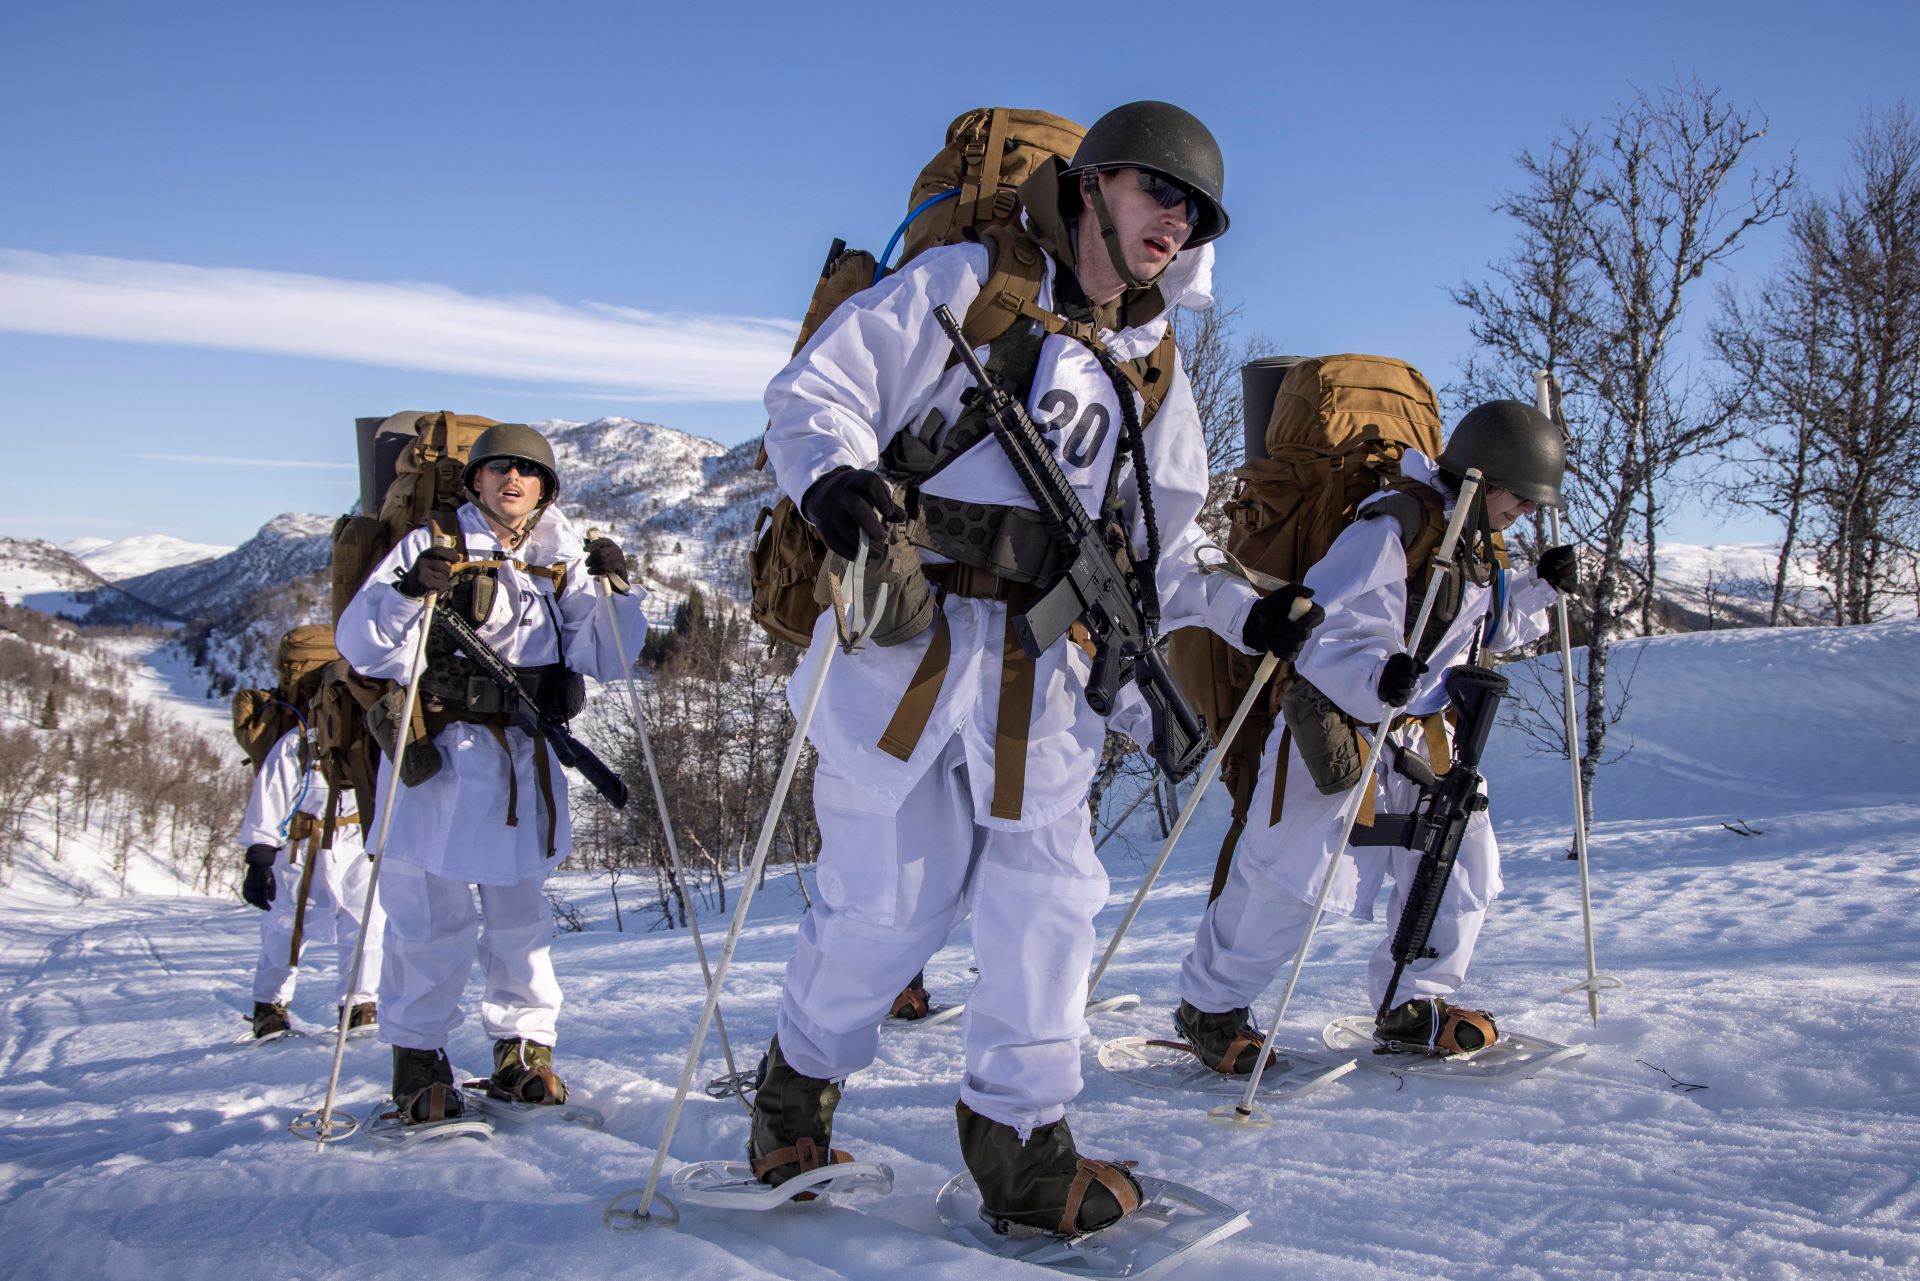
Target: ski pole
1547,399
1208,771
851,640
617,583
1244,1113
321,1122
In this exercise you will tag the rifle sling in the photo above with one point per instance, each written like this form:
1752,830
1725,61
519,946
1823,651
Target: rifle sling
542,771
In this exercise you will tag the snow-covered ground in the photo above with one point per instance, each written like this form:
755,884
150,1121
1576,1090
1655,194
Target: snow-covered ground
1749,1105
140,554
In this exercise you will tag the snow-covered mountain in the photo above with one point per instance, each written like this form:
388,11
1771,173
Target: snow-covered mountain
142,554
51,579
285,548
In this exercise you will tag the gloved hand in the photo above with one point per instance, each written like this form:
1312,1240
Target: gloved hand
258,889
604,557
431,571
1559,568
848,502
1398,678
1280,622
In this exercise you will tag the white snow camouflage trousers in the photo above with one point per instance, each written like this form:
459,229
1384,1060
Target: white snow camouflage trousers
432,931
1254,928
335,901
891,888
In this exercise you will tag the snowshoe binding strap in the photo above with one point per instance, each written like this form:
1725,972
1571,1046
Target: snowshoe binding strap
1111,1175
806,1154
1228,1057
534,1085
437,1102
1434,1026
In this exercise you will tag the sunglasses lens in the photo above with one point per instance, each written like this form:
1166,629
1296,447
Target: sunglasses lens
1168,195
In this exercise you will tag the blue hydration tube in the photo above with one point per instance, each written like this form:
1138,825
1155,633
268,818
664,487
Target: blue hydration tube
880,267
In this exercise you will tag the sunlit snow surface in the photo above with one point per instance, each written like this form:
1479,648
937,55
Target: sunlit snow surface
1777,971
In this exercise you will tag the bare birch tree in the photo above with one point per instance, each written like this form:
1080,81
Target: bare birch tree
1618,226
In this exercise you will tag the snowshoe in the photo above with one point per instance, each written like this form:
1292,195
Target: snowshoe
1512,1057
1174,1223
736,1185
524,1090
523,1073
1176,1065
1043,1184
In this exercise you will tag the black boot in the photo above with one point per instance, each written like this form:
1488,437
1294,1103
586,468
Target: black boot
913,1002
423,1086
1228,1043
363,1014
1429,1025
270,1018
792,1121
1044,1183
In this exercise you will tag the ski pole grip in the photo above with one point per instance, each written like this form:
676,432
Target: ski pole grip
618,582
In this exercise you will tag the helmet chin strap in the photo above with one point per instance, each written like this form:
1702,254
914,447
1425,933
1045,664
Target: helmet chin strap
1110,236
519,536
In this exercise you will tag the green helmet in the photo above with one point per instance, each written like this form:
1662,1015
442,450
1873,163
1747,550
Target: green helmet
1161,138
514,440
1514,446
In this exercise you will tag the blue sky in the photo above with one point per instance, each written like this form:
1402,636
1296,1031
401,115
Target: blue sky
226,230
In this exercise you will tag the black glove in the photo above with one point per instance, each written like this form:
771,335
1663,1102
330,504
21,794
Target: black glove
848,502
1280,622
258,890
1398,678
431,571
1559,568
604,557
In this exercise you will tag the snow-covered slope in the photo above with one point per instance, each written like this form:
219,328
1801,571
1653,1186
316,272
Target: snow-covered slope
1749,1105
141,554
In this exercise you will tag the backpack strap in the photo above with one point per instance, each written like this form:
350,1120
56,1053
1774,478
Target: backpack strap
981,170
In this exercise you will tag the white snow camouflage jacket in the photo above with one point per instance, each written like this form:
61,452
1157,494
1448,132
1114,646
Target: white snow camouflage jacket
877,366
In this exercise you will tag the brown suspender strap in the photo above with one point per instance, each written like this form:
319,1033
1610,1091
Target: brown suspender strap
1282,762
543,776
300,907
923,691
1109,1176
330,822
499,733
1013,726
1439,751
542,773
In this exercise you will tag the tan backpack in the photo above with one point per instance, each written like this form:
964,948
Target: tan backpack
969,191
1338,428
426,480
261,717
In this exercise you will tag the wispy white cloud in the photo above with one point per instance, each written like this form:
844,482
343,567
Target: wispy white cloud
404,325
221,460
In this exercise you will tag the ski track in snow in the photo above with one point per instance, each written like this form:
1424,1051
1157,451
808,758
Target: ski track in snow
1776,971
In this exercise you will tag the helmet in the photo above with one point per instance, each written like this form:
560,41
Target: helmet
1160,137
1514,446
514,440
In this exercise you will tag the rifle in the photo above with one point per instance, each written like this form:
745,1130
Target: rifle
1447,803
1117,606
525,715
